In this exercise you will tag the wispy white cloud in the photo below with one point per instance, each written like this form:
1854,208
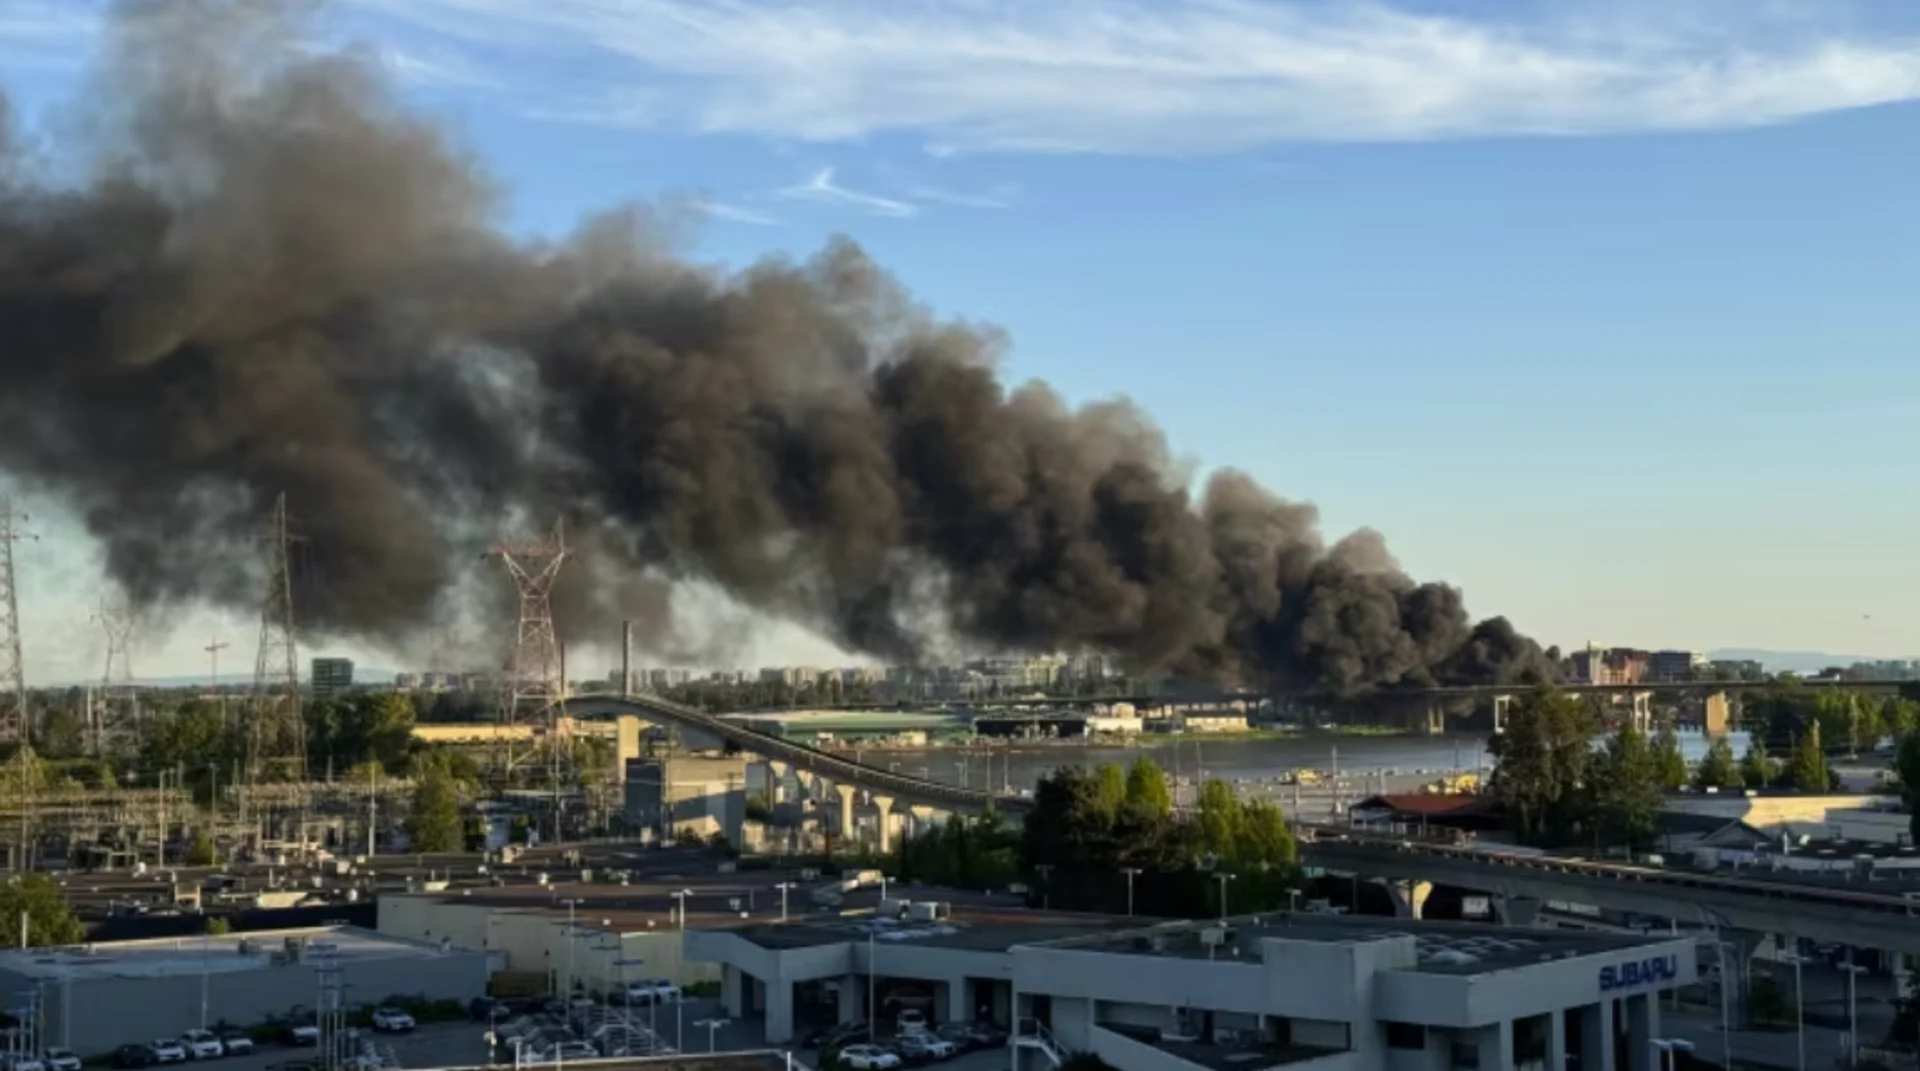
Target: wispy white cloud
1173,76
822,187
734,213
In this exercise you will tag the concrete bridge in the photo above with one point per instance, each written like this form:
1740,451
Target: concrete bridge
886,789
1722,902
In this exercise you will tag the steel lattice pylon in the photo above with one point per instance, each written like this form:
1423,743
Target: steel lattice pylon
276,736
534,687
114,718
15,721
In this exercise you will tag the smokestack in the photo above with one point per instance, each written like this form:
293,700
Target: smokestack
626,658
259,272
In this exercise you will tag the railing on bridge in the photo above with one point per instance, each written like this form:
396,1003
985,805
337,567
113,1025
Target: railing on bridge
1889,903
813,759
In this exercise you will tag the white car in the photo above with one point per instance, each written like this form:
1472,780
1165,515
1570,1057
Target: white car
652,991
62,1060
868,1058
168,1051
912,1021
236,1043
392,1021
202,1045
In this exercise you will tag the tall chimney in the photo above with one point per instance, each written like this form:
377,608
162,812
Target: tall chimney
626,659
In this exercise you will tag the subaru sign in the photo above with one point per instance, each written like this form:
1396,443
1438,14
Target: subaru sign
1636,973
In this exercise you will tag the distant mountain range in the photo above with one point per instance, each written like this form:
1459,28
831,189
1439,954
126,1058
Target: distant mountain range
1788,661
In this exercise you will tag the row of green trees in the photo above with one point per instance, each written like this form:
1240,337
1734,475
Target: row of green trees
1560,790
1089,828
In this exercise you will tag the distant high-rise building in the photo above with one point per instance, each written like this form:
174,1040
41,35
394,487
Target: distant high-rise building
1675,665
406,682
1745,669
331,676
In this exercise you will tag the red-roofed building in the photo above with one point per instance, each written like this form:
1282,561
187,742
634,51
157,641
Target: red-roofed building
1430,809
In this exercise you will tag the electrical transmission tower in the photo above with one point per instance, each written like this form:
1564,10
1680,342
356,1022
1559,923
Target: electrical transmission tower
276,735
15,721
535,684
114,716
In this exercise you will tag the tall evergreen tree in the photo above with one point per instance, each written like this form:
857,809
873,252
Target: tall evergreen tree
1668,760
1757,770
1719,769
1627,794
1807,764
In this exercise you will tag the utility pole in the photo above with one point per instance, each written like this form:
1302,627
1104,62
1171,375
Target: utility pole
213,650
1131,872
16,721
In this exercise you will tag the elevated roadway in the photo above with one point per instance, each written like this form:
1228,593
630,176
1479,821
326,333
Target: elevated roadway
904,789
1852,916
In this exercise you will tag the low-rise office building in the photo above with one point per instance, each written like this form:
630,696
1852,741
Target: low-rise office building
94,998
1303,990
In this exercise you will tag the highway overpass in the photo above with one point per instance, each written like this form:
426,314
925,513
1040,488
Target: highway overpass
841,771
1848,915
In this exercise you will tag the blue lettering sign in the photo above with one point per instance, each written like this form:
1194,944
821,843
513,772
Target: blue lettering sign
1635,973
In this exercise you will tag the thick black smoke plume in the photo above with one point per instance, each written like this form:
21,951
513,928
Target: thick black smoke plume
269,277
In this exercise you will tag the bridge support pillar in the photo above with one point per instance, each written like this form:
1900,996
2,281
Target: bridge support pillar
1409,896
883,809
1500,705
776,782
846,811
1436,719
1718,717
1643,711
1516,910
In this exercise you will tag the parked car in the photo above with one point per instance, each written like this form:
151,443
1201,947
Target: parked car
911,1021
487,1010
869,1058
834,1037
168,1051
926,1048
202,1045
303,1035
960,1034
236,1043
392,1021
59,1059
652,991
26,1063
134,1056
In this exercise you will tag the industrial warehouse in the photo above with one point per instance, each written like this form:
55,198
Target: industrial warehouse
94,998
1301,989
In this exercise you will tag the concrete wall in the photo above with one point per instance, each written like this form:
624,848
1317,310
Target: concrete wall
1170,980
96,1015
688,793
537,941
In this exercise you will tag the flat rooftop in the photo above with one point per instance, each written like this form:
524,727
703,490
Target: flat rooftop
222,954
1441,947
971,929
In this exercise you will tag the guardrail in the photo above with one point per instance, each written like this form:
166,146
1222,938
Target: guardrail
807,758
1334,838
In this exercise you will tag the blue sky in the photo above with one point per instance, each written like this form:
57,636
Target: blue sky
1601,309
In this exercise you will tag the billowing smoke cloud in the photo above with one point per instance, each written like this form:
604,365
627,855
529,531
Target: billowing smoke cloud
271,278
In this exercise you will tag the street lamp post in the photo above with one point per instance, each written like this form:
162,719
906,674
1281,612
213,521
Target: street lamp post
680,899
1046,885
1223,879
1853,1010
1131,872
783,887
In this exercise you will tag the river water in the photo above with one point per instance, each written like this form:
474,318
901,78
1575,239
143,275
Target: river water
1354,766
